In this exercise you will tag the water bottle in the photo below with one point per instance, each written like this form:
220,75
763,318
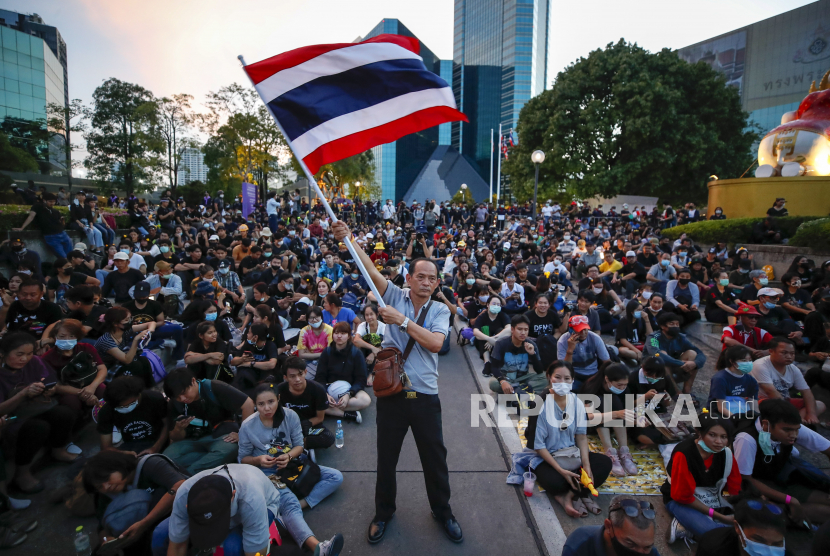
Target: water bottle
339,441
82,542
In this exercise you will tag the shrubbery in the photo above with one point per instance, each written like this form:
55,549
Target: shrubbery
814,234
739,230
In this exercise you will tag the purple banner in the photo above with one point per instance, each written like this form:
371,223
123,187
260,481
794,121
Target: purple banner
250,193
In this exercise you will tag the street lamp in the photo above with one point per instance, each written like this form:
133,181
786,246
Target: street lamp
537,157
464,193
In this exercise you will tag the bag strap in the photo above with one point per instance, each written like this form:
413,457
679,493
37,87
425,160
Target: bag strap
420,322
142,460
208,390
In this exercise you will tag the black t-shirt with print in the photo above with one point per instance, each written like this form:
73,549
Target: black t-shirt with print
229,402
491,327
307,404
149,313
20,319
541,326
144,423
265,353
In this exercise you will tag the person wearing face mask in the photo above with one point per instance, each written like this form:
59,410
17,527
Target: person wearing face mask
739,276
490,325
231,286
766,455
207,352
721,300
138,415
796,299
628,530
17,253
354,282
255,359
685,296
681,356
699,471
746,332
313,339
758,280
66,278
631,332
660,274
558,435
757,530
733,391
775,319
581,347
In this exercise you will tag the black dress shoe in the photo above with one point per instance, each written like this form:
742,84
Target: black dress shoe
376,531
451,528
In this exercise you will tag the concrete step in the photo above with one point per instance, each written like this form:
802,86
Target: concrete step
697,329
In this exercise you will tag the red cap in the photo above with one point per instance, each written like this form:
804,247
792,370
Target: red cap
578,323
744,309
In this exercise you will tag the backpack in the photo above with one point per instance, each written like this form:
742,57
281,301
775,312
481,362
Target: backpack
80,371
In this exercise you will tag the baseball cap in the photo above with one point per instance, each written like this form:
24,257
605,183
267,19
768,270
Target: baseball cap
578,323
370,236
713,250
744,309
266,231
209,511
224,263
78,246
121,257
142,290
214,237
631,254
770,292
243,228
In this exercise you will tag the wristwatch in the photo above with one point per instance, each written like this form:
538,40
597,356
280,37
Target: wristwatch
404,324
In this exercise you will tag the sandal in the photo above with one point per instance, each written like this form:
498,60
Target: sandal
590,505
9,538
580,507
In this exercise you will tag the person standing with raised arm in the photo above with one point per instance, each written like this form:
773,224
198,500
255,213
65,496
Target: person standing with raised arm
417,406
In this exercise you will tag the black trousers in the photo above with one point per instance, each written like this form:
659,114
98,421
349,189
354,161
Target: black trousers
554,483
395,416
50,429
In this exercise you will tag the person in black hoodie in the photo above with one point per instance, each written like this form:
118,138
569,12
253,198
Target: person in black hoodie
342,361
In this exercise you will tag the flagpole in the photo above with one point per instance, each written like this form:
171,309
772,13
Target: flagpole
490,198
498,173
313,183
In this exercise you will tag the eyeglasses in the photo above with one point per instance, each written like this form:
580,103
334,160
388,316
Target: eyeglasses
633,508
757,505
563,426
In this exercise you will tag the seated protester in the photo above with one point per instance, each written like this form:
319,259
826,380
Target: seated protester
512,358
341,362
119,282
208,354
167,288
628,529
206,283
758,528
118,346
199,311
591,272
611,384
758,281
647,382
584,306
562,424
368,338
732,390
685,297
396,276
681,356
136,261
83,384
699,471
608,305
111,474
165,253
657,306
721,300
354,282
255,359
779,378
660,274
313,339
81,304
544,321
231,286
282,290
204,415
189,265
31,313
745,333
251,266
334,312
819,353
66,277
582,348
489,327
739,276
137,414
150,312
465,286
513,294
265,315
99,299
632,275
700,275
27,391
796,300
768,459
308,399
234,498
273,436
632,331
477,304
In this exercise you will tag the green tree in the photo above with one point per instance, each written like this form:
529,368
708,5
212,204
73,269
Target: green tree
62,121
172,119
337,175
122,141
14,159
627,121
30,136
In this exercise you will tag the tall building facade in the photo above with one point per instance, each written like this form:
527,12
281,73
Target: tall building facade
34,74
500,52
771,62
192,167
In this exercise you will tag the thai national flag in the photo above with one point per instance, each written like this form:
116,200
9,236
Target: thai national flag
337,100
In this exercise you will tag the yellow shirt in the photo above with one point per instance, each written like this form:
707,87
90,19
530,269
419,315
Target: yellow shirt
613,267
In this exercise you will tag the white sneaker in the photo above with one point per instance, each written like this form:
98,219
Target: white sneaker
359,418
676,532
116,436
73,449
331,547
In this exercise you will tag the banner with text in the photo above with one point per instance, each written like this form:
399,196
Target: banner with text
250,192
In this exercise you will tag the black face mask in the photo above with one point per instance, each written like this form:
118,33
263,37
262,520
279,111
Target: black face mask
673,331
684,281
623,550
17,248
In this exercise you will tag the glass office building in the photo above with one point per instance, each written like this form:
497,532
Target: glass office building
500,52
772,62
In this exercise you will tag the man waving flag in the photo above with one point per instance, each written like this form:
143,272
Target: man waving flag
336,100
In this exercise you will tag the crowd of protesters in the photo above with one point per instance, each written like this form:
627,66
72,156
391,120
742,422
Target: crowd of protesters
272,331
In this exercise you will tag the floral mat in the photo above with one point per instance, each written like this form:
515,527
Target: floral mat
649,462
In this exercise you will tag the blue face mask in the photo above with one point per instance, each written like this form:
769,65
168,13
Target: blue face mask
615,390
754,548
707,449
127,409
745,367
211,316
65,345
765,442
769,304
638,314
164,249
664,262
653,380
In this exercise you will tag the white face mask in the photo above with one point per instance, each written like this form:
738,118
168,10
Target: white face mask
562,388
646,295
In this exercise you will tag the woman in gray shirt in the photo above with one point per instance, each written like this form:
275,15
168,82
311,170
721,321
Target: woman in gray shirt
272,436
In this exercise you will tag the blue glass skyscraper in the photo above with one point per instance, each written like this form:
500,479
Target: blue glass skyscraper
500,52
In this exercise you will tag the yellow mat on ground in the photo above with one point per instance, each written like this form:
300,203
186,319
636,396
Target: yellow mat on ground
649,462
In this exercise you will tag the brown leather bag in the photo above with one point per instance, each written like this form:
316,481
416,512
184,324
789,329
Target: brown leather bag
390,378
